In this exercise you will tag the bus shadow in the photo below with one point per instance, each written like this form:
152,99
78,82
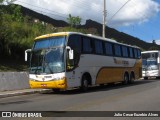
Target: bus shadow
106,87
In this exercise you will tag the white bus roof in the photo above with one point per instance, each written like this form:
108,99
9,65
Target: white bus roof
88,35
151,51
104,39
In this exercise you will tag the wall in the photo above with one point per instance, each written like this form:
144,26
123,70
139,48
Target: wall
13,81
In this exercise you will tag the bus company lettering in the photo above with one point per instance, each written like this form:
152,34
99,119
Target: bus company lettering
123,62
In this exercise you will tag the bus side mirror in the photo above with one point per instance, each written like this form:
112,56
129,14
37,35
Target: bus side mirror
26,54
71,53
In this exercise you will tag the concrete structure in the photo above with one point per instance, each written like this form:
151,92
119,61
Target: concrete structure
13,81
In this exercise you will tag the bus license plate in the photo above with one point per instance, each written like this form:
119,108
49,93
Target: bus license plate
44,85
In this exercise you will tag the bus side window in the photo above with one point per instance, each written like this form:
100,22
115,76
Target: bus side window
135,53
124,51
108,48
98,47
117,49
74,42
87,45
139,54
130,52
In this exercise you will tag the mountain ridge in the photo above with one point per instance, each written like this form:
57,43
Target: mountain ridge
90,24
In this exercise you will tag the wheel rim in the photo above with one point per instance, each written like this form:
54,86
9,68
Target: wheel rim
125,79
84,87
132,79
85,84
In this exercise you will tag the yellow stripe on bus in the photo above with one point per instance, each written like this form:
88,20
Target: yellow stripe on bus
51,35
111,74
60,84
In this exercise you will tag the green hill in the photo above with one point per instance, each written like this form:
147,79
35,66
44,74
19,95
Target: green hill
20,25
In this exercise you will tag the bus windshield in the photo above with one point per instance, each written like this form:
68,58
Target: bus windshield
48,56
149,64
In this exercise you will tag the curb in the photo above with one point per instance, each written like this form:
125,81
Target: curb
23,93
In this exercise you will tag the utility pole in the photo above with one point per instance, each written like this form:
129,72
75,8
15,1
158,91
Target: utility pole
104,19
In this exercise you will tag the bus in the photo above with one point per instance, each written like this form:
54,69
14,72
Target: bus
64,60
151,64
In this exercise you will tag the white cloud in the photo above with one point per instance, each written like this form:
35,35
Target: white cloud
134,12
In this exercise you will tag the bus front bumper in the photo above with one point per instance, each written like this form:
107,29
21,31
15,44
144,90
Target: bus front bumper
54,84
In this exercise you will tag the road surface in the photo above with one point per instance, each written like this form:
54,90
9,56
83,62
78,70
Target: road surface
143,95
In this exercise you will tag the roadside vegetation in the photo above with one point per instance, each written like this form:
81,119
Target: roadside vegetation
17,32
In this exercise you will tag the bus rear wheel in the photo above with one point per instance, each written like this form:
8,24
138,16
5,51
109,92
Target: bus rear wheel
132,78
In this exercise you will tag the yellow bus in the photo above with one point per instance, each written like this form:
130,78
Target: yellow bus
64,60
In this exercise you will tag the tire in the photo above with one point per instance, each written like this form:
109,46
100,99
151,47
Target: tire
110,84
56,90
145,78
84,84
132,78
102,85
126,79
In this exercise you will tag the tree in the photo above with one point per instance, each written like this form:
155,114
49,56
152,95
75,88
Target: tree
154,48
74,21
1,1
154,42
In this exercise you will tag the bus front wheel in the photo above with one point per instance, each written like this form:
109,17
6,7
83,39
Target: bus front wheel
56,90
84,85
145,78
126,79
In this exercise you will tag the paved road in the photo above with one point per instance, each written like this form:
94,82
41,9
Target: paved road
143,95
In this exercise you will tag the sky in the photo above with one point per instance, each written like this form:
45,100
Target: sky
138,18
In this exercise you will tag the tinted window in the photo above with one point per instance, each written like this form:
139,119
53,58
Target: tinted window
139,54
87,48
98,47
117,49
50,42
75,43
125,51
135,53
131,52
108,49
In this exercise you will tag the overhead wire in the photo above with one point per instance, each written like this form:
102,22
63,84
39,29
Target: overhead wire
118,10
77,4
39,7
49,11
